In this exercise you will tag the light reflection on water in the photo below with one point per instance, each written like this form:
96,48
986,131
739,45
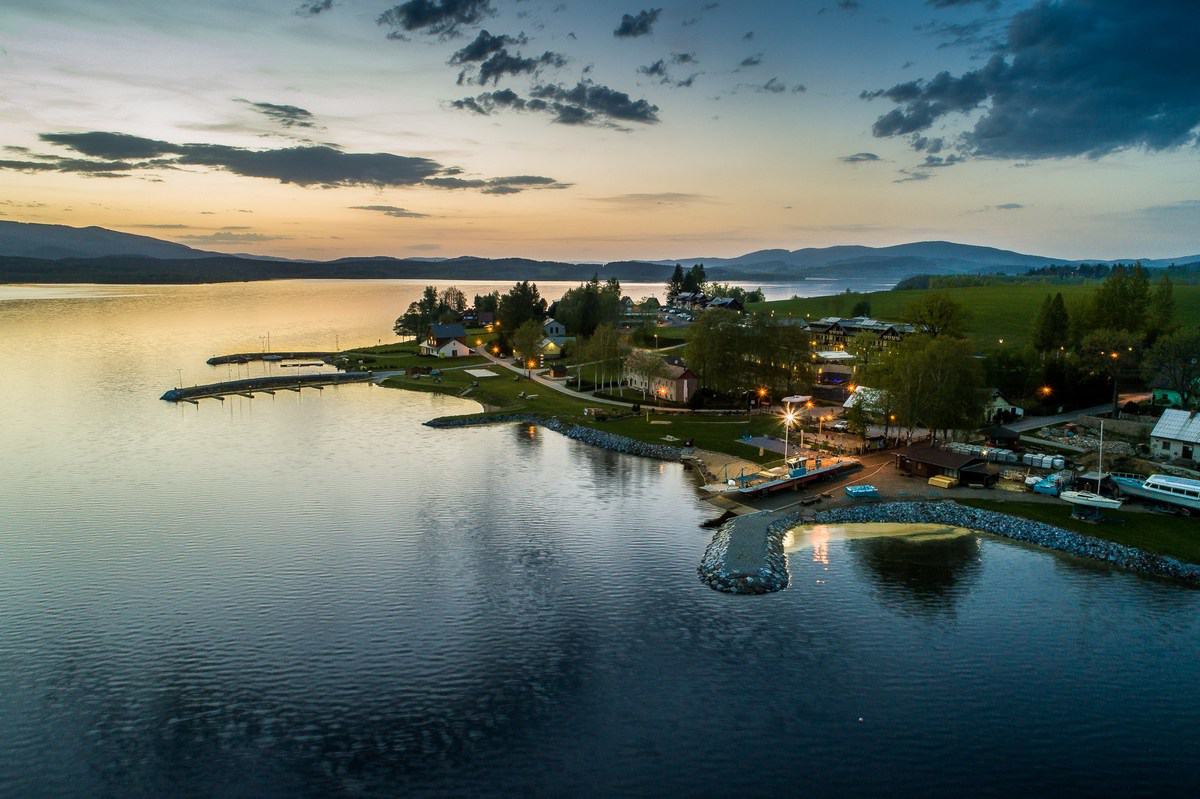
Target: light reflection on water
315,595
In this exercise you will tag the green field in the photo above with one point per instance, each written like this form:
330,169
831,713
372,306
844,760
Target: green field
1164,535
504,394
997,312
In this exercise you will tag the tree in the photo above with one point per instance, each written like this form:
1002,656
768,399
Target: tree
931,382
604,350
487,302
1161,315
675,284
420,314
1175,359
1122,301
863,346
527,340
521,304
716,351
937,314
1052,330
647,367
1113,353
861,308
695,279
453,299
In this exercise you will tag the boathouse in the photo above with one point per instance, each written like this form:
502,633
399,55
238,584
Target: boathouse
923,460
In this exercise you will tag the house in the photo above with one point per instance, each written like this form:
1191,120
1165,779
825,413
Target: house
552,328
692,299
998,409
445,341
834,367
552,347
922,460
833,332
1177,435
486,317
728,303
676,384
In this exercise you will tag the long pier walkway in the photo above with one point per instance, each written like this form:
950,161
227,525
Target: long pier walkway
247,357
269,385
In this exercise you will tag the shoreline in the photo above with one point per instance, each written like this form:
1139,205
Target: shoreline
746,554
596,438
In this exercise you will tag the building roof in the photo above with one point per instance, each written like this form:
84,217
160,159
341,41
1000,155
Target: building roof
673,372
871,398
1178,425
452,330
552,321
942,458
835,355
724,302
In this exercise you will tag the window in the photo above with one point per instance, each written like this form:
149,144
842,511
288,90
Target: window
1166,444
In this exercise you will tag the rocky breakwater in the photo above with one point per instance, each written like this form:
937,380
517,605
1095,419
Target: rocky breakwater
588,435
1031,532
746,555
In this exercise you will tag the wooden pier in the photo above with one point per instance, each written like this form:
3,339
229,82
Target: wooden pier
265,385
247,357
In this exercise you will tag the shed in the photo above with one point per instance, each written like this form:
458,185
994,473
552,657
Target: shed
1177,435
922,460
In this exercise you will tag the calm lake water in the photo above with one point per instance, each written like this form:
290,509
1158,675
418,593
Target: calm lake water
314,595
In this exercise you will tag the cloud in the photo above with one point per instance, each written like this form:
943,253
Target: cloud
443,18
639,24
989,4
289,116
683,58
586,103
1066,81
656,70
504,63
751,61
511,184
390,210
314,7
859,158
1008,206
114,154
484,45
642,200
849,5
229,237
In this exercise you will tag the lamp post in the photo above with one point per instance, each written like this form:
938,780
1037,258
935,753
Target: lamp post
788,418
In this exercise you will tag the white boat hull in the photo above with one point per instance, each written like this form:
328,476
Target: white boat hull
1090,500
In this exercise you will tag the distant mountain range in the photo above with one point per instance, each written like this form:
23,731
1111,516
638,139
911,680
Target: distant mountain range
35,253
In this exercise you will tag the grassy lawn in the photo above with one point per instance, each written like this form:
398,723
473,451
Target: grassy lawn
997,312
403,355
719,433
1165,535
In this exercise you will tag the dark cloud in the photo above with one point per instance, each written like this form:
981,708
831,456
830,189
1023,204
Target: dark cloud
311,9
989,4
586,103
1008,206
113,146
683,58
504,63
849,5
985,32
638,24
1068,81
747,36
289,116
116,154
656,70
440,17
859,158
513,184
751,61
484,45
390,210
642,200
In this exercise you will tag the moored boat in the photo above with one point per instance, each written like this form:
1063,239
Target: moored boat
1178,492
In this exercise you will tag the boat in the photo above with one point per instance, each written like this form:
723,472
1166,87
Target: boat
1180,493
862,492
794,474
1090,500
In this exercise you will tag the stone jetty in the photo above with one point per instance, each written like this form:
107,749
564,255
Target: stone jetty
588,435
746,554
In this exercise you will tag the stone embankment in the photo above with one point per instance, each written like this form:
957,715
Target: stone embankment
746,555
588,435
1030,532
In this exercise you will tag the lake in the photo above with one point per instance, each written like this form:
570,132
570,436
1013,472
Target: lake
315,595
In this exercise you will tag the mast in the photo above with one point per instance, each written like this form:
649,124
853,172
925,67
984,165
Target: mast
1100,466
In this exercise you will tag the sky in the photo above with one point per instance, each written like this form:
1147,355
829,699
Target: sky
604,130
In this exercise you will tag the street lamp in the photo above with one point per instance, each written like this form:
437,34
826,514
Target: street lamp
788,418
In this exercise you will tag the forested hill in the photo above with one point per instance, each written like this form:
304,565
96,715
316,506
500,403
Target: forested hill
227,269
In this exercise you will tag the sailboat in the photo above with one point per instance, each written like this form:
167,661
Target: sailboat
1089,499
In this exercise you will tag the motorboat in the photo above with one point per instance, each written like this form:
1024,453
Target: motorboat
1179,492
1090,500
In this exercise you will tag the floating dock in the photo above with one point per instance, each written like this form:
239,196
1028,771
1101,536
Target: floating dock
247,357
266,385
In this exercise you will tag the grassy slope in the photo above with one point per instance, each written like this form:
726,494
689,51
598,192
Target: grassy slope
997,312
1165,535
719,433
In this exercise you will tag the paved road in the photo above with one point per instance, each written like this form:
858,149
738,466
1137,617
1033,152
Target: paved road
548,383
1034,422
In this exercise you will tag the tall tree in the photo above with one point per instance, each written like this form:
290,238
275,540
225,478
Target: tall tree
526,340
695,279
1175,360
675,284
1114,353
938,314
453,299
1161,314
518,306
646,367
1052,330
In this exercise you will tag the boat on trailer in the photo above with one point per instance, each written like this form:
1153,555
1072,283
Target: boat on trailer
1179,493
795,474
